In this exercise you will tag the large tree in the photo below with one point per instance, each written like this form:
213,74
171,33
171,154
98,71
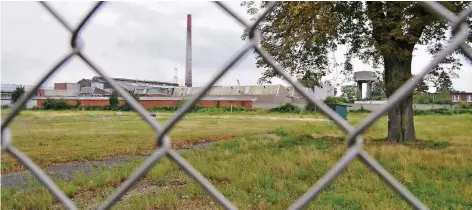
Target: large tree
300,35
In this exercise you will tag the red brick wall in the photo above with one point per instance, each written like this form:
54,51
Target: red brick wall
60,86
157,103
207,103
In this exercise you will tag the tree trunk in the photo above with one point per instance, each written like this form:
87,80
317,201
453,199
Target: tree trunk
401,126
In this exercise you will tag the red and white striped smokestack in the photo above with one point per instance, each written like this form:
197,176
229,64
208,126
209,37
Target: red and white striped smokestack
188,59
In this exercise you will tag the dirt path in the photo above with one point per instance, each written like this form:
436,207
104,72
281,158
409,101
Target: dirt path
66,171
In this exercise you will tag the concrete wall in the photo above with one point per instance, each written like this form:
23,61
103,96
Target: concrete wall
30,104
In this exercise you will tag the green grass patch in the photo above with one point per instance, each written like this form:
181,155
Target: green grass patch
269,164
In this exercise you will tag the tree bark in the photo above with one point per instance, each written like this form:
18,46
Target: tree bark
401,126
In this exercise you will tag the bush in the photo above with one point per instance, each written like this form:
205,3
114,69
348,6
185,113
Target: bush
334,100
428,98
77,105
286,108
96,108
113,100
310,107
163,109
17,93
464,105
422,99
56,104
443,111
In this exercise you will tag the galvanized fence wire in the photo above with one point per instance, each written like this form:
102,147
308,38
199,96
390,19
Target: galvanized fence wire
355,143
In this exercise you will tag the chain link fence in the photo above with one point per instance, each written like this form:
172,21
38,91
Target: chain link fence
355,149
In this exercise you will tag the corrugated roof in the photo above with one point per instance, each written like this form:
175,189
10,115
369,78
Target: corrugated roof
240,98
87,90
234,90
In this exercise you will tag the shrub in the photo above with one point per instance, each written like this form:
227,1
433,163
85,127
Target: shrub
334,100
443,111
56,104
422,99
163,109
286,108
309,107
17,93
113,100
135,96
96,108
77,105
464,105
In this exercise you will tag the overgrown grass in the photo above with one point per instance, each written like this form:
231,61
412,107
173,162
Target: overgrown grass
50,137
271,171
263,171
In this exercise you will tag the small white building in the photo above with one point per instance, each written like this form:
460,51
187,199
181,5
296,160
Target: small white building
7,90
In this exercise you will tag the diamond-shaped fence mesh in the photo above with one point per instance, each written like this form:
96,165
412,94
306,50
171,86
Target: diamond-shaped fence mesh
355,149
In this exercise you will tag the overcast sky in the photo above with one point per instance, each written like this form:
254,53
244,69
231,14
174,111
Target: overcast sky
140,40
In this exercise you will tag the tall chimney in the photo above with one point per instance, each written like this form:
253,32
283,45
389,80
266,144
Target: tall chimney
188,60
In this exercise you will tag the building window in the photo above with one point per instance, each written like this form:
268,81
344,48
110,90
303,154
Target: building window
469,98
455,98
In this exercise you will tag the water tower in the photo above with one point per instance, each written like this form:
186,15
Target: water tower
364,77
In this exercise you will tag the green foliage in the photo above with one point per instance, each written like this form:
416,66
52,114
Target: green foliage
378,90
361,110
432,98
286,108
334,100
443,112
113,100
127,107
443,83
78,104
349,93
422,98
422,87
464,105
309,107
56,104
97,108
392,31
17,93
201,109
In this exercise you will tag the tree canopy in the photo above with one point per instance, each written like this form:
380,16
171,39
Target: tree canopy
300,35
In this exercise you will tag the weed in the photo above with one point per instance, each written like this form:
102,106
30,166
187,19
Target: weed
253,171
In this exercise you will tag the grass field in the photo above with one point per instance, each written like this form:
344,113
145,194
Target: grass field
261,164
